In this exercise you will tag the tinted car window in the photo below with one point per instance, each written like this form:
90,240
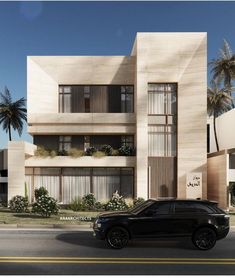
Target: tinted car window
188,207
159,208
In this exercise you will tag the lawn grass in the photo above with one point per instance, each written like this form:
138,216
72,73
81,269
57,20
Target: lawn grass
65,216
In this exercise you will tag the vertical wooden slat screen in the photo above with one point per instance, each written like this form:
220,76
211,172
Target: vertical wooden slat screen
99,99
163,176
78,103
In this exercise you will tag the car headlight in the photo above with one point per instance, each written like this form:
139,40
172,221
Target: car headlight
99,221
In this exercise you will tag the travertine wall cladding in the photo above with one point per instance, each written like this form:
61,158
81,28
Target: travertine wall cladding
156,57
18,151
180,58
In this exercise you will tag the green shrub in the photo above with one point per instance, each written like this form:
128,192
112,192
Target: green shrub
88,202
126,150
98,154
53,153
41,151
116,203
45,206
76,204
138,201
19,204
99,206
39,192
90,151
107,149
75,153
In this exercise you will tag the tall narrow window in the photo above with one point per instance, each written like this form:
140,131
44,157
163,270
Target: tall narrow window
127,140
127,99
87,142
65,96
162,120
87,98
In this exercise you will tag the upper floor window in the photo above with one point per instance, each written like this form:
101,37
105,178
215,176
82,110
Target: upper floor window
65,97
162,112
96,99
65,143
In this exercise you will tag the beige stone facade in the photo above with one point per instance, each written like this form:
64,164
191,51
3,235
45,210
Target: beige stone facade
179,58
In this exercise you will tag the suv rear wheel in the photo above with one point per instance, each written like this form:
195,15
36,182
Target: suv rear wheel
204,238
117,237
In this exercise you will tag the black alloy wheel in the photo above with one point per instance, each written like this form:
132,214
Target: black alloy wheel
204,238
117,237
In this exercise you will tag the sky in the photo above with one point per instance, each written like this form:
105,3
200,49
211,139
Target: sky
97,28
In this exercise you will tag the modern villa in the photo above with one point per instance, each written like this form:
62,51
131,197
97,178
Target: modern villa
153,101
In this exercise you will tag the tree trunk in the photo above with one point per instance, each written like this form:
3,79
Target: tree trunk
9,130
216,139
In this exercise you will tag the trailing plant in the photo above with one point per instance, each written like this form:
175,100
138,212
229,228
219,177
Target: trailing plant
41,151
117,202
90,151
19,204
39,192
45,206
75,153
107,149
98,154
126,150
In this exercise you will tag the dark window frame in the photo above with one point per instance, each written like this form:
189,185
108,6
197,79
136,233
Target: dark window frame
167,116
87,100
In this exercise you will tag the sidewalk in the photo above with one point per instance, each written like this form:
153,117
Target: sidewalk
84,227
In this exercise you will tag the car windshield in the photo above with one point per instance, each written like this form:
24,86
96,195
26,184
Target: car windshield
137,209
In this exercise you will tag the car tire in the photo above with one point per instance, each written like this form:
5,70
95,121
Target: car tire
204,238
117,237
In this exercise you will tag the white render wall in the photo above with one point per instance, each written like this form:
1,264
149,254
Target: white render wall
225,131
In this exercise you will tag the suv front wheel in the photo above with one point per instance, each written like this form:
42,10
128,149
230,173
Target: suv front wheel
117,237
204,238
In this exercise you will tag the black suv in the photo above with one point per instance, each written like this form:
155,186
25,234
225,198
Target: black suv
201,220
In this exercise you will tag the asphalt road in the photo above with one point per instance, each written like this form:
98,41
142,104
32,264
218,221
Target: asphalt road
71,252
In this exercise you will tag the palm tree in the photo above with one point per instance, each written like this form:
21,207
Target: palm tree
12,114
223,68
218,102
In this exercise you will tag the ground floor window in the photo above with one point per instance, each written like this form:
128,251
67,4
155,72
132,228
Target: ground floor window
64,184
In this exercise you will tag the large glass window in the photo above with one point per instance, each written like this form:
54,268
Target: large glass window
162,120
96,99
65,142
64,184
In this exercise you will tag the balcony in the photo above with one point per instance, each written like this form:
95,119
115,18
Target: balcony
80,123
84,161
